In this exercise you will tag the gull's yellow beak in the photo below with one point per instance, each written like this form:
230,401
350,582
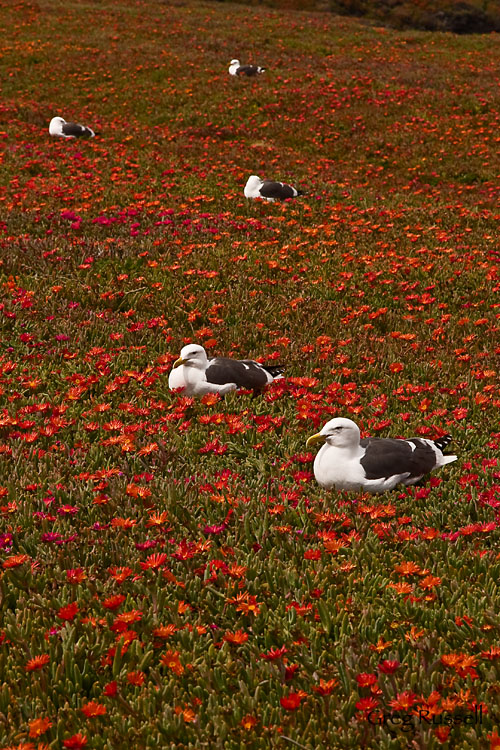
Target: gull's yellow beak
315,439
178,363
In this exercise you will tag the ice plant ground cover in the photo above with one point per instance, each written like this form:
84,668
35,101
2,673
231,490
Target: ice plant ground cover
171,575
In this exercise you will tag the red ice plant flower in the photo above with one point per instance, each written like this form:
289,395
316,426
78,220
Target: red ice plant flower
93,709
292,701
326,687
274,653
388,667
366,679
39,726
171,659
38,662
76,742
111,689
113,602
15,561
68,612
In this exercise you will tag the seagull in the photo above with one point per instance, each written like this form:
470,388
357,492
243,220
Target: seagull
271,191
198,375
59,127
373,464
235,69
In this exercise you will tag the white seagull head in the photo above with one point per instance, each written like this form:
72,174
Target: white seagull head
252,187
340,432
192,355
55,126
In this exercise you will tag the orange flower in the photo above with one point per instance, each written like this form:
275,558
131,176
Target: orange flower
37,662
15,560
76,575
92,709
134,490
442,733
126,618
236,571
39,726
157,519
333,546
407,568
403,701
113,602
126,636
381,645
154,561
237,638
136,678
120,574
171,660
248,722
429,582
452,660
325,687
245,603
123,523
414,634
401,588
188,715
449,704
494,740
210,398
147,449
164,631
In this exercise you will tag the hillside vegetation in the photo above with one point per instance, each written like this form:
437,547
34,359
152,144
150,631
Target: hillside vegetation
456,16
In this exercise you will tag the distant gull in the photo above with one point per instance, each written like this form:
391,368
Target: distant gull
235,69
59,127
197,375
373,464
271,191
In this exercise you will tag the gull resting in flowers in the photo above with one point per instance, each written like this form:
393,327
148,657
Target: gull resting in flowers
373,464
197,375
235,69
268,189
59,127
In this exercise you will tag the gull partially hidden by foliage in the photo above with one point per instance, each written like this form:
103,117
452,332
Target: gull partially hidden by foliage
374,465
268,189
59,127
235,69
197,375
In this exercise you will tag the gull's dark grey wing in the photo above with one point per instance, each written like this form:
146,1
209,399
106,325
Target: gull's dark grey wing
277,190
248,70
245,373
386,457
77,131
